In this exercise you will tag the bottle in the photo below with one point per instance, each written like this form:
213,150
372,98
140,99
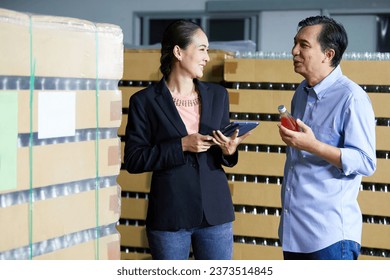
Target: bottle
286,119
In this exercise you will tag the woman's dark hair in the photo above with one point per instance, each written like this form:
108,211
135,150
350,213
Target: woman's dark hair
178,33
332,35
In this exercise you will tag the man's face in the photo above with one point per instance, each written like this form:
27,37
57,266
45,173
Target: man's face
309,59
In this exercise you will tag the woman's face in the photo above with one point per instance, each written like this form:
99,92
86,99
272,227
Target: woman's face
194,58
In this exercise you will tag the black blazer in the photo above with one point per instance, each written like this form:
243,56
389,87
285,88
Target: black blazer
184,185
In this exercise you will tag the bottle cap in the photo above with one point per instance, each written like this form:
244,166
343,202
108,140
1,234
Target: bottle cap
282,109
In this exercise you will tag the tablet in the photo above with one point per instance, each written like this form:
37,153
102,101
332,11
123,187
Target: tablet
243,127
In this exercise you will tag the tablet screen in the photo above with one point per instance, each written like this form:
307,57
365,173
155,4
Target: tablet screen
243,127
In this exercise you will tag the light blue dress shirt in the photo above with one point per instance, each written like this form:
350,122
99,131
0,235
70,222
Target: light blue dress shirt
320,200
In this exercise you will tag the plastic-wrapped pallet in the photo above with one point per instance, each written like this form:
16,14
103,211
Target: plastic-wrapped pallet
60,110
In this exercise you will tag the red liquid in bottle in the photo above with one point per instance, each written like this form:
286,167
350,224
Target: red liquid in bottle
287,120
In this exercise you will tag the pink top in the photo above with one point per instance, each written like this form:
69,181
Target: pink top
188,108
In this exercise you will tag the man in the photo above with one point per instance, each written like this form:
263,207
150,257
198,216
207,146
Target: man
326,160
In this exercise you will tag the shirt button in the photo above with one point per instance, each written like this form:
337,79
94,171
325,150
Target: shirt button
285,210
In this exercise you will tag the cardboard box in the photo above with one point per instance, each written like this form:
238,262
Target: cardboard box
133,236
381,174
135,256
62,163
135,182
134,209
122,128
59,47
258,101
265,226
260,194
109,249
379,103
374,203
256,252
282,71
259,163
382,138
367,72
110,109
58,216
266,133
376,236
144,65
260,70
215,68
127,92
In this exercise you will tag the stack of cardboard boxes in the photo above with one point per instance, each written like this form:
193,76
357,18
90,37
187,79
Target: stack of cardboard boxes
60,110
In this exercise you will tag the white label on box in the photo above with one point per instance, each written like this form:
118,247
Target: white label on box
56,114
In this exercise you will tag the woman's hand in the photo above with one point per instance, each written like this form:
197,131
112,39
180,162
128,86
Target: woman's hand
228,144
197,143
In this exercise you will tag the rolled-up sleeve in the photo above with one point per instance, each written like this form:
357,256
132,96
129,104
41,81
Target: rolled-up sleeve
358,155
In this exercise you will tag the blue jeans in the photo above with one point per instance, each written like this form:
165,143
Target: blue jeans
342,250
208,243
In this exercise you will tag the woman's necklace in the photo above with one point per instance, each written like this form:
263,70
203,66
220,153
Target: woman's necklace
186,102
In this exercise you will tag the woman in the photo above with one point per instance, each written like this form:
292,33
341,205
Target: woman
173,130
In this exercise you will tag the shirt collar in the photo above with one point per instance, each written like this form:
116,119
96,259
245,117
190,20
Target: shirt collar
321,88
